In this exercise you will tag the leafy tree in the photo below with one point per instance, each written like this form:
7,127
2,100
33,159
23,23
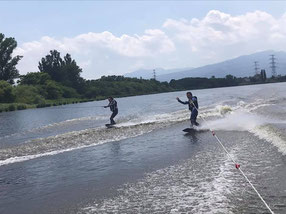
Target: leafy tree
229,77
8,71
123,86
65,71
34,78
91,92
230,80
52,64
28,94
255,78
53,90
72,74
71,70
68,92
6,92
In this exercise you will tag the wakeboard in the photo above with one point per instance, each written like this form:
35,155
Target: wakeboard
109,125
189,130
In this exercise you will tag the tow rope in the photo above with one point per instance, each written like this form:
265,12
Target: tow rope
237,166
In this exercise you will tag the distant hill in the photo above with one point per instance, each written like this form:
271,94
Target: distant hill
240,67
148,73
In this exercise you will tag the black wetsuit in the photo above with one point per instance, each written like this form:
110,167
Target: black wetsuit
113,107
193,106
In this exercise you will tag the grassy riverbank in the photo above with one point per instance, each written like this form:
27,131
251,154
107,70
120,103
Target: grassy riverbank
5,107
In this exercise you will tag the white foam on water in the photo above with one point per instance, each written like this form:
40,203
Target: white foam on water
272,135
230,118
182,188
236,121
217,191
17,159
86,138
79,139
244,119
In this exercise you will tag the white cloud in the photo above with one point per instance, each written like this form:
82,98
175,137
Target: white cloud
99,53
224,35
179,43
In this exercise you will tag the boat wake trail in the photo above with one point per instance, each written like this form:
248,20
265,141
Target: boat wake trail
183,188
240,117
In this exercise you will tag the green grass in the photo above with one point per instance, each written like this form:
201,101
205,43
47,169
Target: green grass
5,107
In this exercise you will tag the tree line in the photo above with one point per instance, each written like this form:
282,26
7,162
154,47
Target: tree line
59,78
58,81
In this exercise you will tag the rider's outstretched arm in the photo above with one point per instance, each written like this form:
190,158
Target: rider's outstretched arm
180,101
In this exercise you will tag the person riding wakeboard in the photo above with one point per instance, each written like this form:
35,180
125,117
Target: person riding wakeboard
193,107
113,107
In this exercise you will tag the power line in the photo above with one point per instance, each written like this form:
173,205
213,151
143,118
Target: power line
256,67
273,65
154,74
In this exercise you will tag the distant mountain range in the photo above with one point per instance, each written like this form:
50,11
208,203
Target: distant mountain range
148,73
240,67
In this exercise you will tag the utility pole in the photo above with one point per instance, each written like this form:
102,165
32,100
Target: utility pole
273,65
154,74
256,67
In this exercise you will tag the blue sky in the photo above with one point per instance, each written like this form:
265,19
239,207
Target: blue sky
30,21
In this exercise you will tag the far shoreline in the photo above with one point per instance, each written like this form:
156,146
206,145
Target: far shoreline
8,107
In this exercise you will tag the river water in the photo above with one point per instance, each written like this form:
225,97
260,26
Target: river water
63,159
